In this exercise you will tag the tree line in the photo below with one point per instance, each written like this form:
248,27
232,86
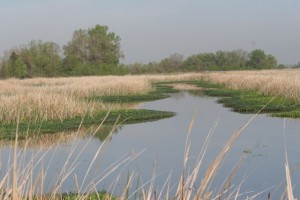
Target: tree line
96,51
93,51
220,60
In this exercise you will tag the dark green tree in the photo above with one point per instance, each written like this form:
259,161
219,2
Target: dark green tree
201,62
34,59
42,58
259,60
92,51
16,66
19,66
3,70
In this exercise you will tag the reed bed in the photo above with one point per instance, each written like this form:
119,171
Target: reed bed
61,98
285,83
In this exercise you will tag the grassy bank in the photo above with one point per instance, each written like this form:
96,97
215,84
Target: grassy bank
244,99
250,91
63,98
247,100
58,104
47,105
160,91
252,102
7,131
284,83
47,99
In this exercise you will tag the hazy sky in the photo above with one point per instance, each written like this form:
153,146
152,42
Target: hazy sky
153,29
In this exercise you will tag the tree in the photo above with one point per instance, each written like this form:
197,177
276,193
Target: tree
173,63
227,60
37,58
4,69
41,58
92,49
238,58
193,63
18,67
259,60
202,61
221,59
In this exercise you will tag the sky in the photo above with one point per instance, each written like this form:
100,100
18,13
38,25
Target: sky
151,30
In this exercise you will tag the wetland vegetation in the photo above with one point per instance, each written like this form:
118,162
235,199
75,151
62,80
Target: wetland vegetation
55,105
64,104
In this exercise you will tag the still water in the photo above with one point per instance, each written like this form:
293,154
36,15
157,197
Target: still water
160,145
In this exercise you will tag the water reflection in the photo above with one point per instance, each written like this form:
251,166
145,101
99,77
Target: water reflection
105,131
100,133
196,93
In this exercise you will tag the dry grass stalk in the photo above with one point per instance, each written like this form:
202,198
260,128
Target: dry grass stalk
203,191
289,187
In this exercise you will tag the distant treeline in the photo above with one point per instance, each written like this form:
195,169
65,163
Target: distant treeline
93,51
221,60
96,51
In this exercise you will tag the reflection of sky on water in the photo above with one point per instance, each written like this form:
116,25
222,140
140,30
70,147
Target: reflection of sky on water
164,141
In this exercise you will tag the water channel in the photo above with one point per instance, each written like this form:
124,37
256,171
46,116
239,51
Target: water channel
161,147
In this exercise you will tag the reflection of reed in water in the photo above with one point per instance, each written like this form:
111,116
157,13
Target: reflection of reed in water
64,138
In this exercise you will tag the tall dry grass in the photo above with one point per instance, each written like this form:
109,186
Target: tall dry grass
284,83
61,98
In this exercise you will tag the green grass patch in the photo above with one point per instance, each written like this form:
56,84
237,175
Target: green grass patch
205,84
160,91
289,114
7,131
164,88
243,101
74,196
91,196
223,92
129,99
254,102
199,83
